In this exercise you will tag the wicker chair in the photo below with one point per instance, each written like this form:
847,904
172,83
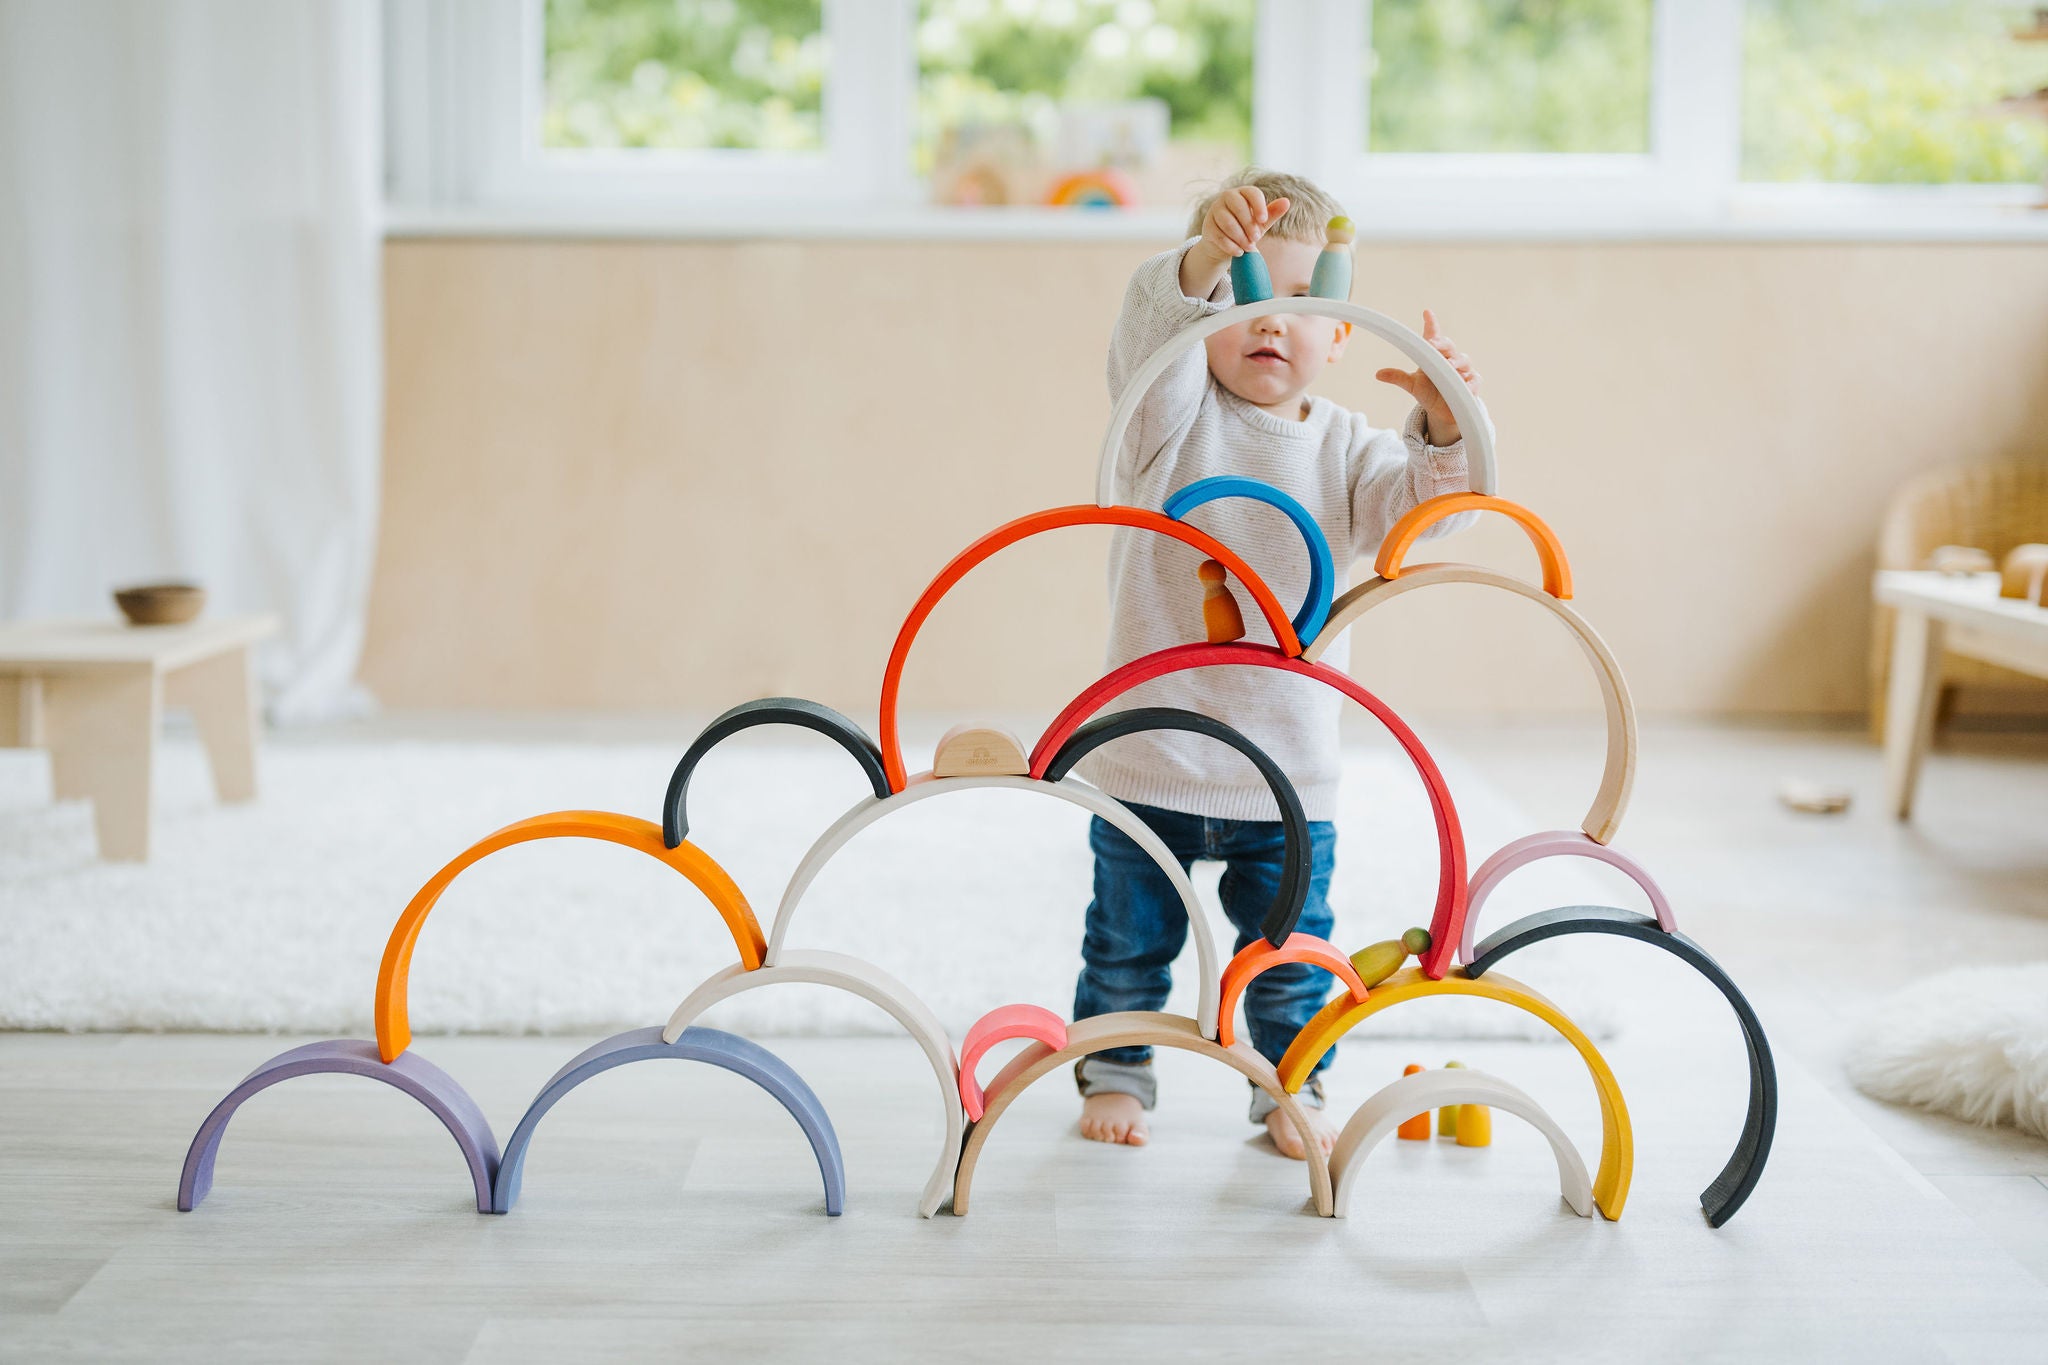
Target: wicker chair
1991,506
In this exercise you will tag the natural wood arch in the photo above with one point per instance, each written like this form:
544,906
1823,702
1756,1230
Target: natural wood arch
1448,919
1472,423
1203,925
394,1027
1617,779
1137,1028
1557,571
1051,520
1341,1015
876,986
1392,1105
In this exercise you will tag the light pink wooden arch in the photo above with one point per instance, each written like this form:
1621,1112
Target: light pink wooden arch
1556,843
1005,1021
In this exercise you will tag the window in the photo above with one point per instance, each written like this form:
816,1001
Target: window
851,117
726,74
1505,76
1891,91
1015,100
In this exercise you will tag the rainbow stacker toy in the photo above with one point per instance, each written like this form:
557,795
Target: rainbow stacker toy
982,757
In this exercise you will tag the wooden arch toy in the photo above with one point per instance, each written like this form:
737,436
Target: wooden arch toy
412,1074
675,815
1136,1028
1391,1105
1202,925
1322,569
1262,956
999,1025
1298,872
1341,1015
1448,918
1618,778
1023,528
870,983
732,1053
394,1029
1557,570
1727,1191
1560,843
1471,417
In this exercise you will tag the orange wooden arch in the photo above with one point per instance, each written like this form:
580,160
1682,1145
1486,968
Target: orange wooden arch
1052,519
394,1027
1557,572
1259,956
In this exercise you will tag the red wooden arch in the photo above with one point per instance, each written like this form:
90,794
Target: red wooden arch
1447,923
1052,519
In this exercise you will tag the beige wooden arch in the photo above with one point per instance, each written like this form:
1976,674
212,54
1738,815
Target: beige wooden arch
1139,1028
1619,776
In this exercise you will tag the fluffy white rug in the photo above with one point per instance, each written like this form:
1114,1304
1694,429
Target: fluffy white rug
1972,1042
273,915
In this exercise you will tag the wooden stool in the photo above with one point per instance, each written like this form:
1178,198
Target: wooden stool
92,693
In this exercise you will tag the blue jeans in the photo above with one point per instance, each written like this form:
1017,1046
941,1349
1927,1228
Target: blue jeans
1137,926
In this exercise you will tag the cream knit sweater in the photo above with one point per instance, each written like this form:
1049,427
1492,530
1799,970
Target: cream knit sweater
1355,480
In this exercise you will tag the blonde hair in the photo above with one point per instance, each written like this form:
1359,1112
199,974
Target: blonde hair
1309,209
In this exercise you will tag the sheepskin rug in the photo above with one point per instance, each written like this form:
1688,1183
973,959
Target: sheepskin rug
1971,1042
272,916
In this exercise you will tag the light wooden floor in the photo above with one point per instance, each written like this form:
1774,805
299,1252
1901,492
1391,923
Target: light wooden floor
674,1213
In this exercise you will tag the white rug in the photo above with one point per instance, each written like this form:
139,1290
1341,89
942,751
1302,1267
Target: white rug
1971,1042
273,916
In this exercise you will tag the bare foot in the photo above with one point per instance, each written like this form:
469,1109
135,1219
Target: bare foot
1112,1116
1288,1138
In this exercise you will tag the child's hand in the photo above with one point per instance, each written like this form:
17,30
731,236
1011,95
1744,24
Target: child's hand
1440,428
1238,219
1233,226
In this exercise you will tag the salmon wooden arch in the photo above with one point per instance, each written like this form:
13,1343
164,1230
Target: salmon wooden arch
1472,423
1000,1025
1447,921
877,987
1025,527
394,1026
1203,925
1341,1015
1260,956
1624,743
1138,1028
1557,570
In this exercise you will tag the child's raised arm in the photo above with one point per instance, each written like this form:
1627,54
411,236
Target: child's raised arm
1166,294
1425,460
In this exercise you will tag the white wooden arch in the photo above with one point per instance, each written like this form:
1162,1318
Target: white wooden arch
1201,921
1472,423
871,983
1618,778
1395,1104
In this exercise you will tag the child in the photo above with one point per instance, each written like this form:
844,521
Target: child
1243,408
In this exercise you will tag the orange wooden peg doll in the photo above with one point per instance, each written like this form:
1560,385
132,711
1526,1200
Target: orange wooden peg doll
1220,615
1417,1128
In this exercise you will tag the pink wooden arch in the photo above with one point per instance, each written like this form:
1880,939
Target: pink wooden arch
1003,1022
1556,843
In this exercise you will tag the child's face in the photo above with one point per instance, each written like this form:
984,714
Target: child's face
1272,361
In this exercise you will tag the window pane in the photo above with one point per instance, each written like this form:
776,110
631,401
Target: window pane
1902,91
1509,76
683,74
1014,96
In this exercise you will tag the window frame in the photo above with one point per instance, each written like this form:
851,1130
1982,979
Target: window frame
463,91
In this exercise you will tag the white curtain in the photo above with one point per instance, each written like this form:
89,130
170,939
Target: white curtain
189,316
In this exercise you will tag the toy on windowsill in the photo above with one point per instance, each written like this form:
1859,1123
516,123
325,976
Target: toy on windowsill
1370,981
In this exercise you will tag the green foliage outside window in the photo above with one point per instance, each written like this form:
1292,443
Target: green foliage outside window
684,74
1017,61
1897,91
1509,76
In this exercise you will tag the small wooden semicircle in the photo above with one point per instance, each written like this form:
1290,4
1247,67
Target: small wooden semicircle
1557,570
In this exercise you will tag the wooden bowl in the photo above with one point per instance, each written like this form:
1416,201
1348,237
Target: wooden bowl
160,604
